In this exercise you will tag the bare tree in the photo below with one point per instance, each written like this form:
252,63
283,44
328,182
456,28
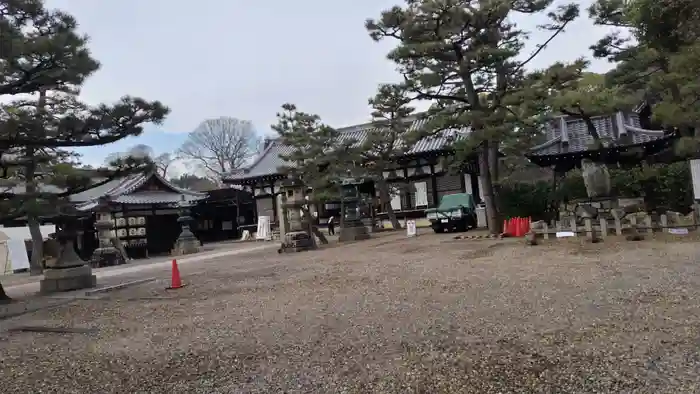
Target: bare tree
221,145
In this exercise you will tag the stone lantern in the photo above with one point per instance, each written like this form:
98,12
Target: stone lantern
351,226
106,254
69,272
297,237
186,242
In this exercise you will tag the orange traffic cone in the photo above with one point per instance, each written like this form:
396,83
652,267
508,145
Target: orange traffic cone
175,281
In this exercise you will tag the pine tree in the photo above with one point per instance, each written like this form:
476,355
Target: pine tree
464,55
389,138
655,49
45,60
315,154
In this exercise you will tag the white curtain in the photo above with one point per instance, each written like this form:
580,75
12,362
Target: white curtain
396,202
421,194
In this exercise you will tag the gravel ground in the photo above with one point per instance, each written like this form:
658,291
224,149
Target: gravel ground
389,315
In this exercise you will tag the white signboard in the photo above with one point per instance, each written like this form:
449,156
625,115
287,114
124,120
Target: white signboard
411,228
264,232
678,231
565,234
421,194
396,202
695,177
17,254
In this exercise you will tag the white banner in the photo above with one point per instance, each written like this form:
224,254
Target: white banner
396,202
17,254
263,232
411,228
421,194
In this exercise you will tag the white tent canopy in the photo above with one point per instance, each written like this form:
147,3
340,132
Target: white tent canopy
23,232
13,252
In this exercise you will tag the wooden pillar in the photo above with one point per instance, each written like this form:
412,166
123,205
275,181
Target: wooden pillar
274,202
433,181
476,193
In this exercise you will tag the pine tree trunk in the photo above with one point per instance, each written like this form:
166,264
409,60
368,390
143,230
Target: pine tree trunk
35,264
494,170
385,198
596,177
4,298
492,216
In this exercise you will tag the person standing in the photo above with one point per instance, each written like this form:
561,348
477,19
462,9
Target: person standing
331,226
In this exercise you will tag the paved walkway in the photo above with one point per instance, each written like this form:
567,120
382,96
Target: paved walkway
131,270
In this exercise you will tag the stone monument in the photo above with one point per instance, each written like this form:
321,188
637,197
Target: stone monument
351,226
186,242
106,254
69,271
297,236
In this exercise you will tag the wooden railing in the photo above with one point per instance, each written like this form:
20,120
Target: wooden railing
594,229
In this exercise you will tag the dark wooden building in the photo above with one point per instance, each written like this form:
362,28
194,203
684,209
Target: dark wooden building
623,135
419,175
144,207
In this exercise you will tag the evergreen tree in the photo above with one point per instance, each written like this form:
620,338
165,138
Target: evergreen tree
390,138
45,60
655,50
464,55
315,153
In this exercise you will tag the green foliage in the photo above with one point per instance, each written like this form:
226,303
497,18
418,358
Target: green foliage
465,57
390,137
664,188
657,57
316,155
45,60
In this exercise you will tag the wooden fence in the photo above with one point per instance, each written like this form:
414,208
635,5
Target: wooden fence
601,228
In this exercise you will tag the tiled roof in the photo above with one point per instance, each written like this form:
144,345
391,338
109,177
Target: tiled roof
569,135
121,191
270,160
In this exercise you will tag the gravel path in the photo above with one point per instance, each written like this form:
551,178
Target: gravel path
389,315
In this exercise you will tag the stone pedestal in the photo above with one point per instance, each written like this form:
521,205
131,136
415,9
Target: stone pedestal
186,242
106,255
351,226
598,208
69,272
297,237
67,279
353,231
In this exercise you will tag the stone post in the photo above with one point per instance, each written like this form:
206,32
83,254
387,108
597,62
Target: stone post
186,242
68,272
351,228
106,254
297,237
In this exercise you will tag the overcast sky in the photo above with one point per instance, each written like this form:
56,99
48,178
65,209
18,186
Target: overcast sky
213,58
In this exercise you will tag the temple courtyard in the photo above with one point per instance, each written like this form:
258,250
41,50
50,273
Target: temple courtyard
389,315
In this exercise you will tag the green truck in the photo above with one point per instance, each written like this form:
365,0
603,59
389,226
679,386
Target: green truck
456,212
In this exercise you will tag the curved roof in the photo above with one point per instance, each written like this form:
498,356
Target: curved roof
271,159
569,135
123,191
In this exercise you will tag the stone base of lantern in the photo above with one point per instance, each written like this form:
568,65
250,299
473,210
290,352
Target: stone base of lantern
186,246
353,231
296,241
106,257
67,279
